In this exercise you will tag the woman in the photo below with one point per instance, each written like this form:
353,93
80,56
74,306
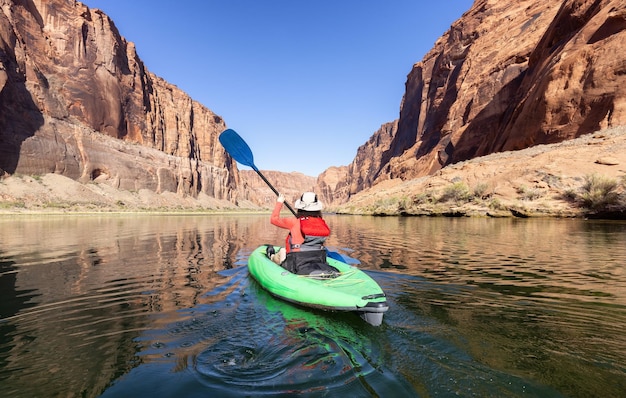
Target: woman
304,250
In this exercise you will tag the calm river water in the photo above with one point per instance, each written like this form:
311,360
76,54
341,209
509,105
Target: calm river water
163,306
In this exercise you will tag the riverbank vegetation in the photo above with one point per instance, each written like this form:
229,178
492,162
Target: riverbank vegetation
596,196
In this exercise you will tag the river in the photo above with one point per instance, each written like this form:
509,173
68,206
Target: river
163,306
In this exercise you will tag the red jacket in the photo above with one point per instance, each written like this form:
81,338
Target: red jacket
290,223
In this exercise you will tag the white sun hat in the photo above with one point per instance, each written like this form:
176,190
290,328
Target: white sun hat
308,201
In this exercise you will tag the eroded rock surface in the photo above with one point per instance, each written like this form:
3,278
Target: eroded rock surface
506,76
69,82
292,185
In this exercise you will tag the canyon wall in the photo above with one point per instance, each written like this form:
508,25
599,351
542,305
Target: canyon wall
507,75
337,184
75,99
291,185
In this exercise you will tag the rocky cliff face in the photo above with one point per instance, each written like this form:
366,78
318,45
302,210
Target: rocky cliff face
506,76
337,184
292,185
75,99
332,185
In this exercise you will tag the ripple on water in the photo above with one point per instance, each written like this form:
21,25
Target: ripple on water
252,343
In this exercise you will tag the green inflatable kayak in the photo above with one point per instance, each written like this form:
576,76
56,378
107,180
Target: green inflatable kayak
351,290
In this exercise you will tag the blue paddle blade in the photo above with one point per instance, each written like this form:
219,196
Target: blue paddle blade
241,152
237,148
335,256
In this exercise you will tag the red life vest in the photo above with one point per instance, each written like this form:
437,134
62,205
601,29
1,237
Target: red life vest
313,226
314,231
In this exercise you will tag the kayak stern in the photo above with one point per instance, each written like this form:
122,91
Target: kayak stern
373,312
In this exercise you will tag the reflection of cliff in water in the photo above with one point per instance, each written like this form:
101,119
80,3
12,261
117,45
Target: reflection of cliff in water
554,286
78,291
12,302
440,246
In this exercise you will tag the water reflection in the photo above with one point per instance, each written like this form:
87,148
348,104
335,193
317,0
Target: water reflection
83,287
541,299
163,306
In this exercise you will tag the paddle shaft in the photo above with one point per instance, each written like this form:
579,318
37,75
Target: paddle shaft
273,189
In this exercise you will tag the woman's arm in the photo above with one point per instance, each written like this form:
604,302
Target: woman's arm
290,223
279,221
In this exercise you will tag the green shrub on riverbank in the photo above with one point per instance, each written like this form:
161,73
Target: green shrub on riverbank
600,192
12,204
434,202
458,192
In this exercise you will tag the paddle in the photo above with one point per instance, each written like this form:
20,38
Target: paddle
240,151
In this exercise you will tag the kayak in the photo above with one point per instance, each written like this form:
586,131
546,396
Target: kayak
350,290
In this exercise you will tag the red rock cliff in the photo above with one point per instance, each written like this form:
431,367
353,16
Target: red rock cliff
291,185
507,75
75,99
337,184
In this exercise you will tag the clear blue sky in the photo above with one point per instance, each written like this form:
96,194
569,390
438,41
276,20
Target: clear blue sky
305,83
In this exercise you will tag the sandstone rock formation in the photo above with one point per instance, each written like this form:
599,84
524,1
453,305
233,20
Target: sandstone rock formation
583,177
292,185
331,185
337,184
75,99
507,75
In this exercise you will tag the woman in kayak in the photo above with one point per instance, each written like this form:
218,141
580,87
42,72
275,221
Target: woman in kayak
304,250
